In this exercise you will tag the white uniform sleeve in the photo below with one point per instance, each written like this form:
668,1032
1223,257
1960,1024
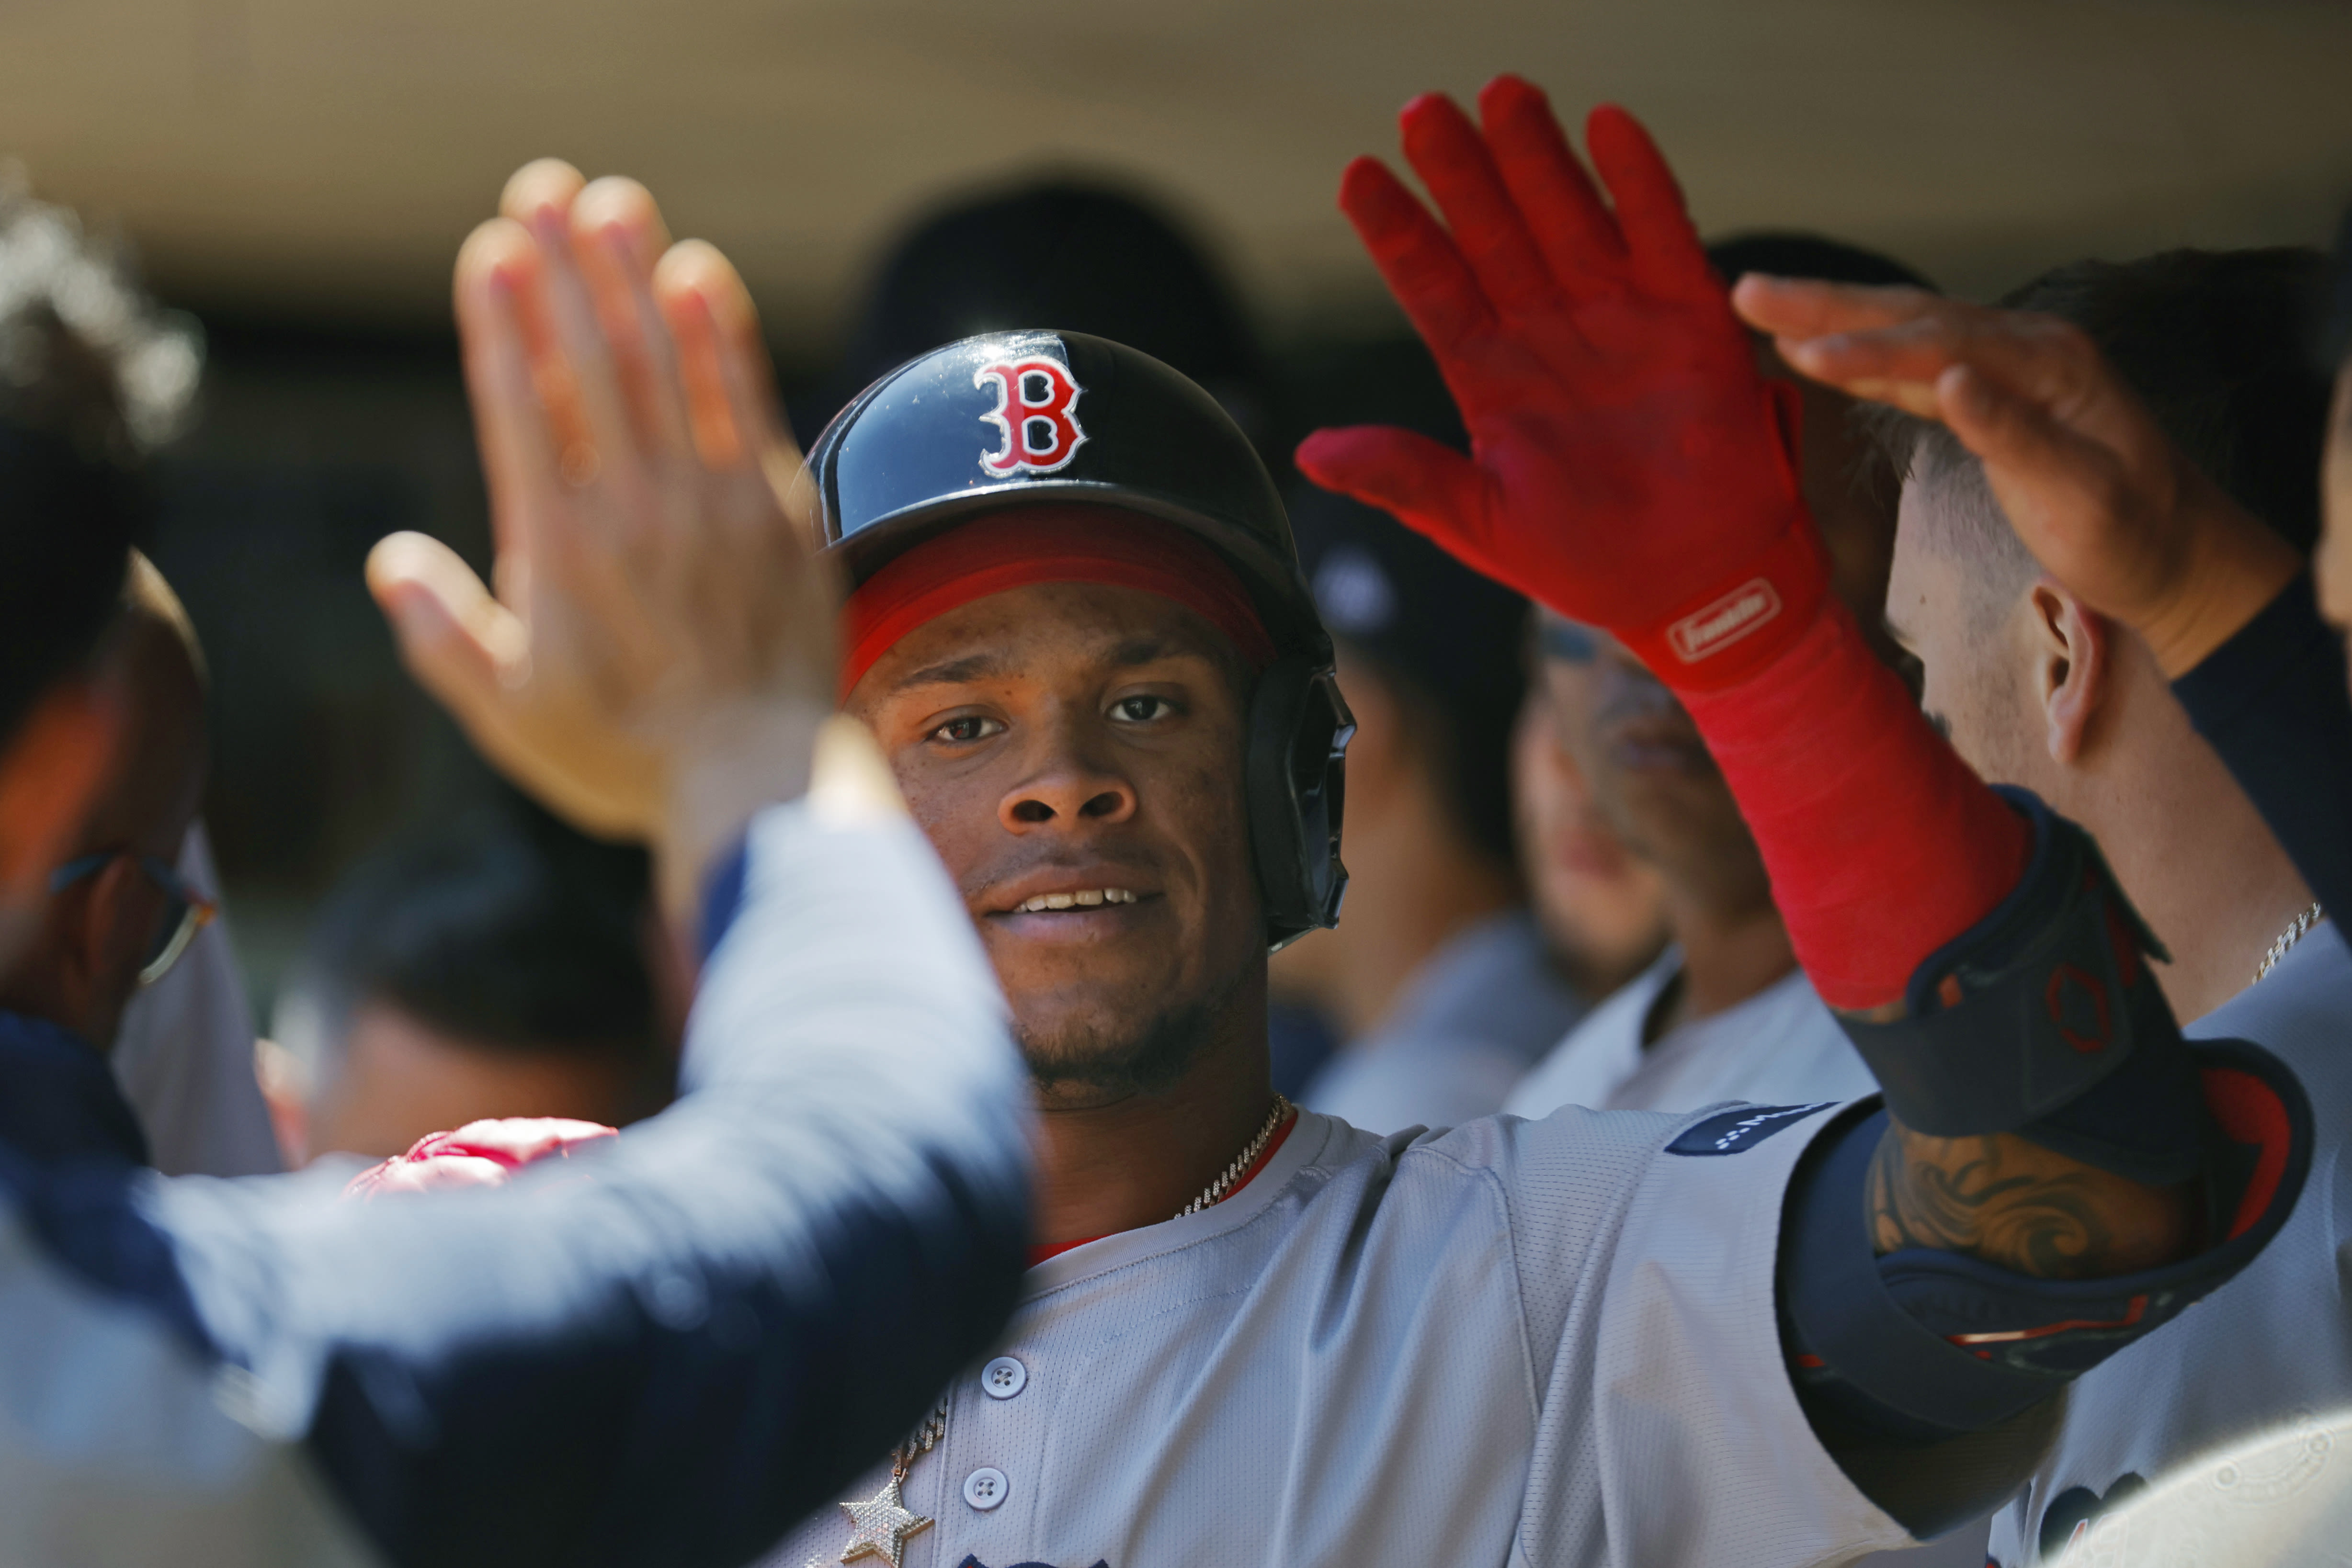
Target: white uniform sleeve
1668,1430
185,1054
731,1307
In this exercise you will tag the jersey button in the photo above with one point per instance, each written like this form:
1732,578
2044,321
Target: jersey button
985,1487
1004,1377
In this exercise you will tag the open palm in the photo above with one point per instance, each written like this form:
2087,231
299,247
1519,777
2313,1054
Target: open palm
1625,453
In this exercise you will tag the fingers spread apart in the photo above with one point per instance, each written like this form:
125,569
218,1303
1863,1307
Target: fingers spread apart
1651,216
1555,197
1415,257
730,393
599,353
1458,168
1526,229
618,235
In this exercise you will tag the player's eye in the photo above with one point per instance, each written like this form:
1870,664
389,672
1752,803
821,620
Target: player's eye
965,729
1141,710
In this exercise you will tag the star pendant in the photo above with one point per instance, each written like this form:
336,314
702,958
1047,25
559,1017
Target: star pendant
880,1526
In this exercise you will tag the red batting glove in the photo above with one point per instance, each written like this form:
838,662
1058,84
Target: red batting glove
1631,468
480,1153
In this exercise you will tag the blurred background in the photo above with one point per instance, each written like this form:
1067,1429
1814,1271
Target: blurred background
298,174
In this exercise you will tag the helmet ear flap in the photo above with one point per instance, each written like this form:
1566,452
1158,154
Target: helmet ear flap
1296,774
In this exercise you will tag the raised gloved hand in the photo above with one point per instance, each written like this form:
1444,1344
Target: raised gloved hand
1629,467
480,1153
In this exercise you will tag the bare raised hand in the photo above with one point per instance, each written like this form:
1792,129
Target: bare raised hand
2101,499
659,650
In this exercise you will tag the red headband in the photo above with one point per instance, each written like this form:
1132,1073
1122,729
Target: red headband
996,555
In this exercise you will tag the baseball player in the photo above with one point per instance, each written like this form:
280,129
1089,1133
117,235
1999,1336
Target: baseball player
1760,1335
689,1336
2221,1443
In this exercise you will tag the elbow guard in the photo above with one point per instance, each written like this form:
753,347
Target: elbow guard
2044,1019
1921,1345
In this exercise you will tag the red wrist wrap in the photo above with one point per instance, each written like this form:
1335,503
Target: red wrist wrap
1721,637
1882,845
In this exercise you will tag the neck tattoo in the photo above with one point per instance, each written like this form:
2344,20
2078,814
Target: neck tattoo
879,1525
2288,939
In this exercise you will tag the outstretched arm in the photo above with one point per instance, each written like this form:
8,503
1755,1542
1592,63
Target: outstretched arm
672,1343
1631,469
2104,502
2111,509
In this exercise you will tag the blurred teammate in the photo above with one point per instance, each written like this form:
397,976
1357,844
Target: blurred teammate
496,968
119,914
1443,985
1260,1336
1599,908
2204,350
184,1049
185,1054
202,1371
1725,1013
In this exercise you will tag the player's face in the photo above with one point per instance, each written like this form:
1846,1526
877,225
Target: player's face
1969,662
1651,775
1594,899
1075,753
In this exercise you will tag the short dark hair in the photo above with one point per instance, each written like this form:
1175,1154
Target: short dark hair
2214,342
509,930
1791,252
91,377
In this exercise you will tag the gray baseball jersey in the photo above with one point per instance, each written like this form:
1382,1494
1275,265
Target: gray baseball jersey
1514,1342
2264,1361
1779,1047
1473,1017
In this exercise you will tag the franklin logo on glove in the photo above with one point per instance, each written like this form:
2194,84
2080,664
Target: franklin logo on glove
1745,609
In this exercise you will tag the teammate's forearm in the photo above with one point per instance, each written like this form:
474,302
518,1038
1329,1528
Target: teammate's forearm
749,760
2271,700
1883,849
2236,565
756,1290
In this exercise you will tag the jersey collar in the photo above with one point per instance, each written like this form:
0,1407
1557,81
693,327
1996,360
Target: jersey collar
1308,1136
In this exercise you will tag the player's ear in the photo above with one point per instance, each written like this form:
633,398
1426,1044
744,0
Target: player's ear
2070,664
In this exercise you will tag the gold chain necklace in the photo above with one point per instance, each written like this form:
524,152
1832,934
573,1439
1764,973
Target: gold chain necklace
879,1525
1215,1193
2288,939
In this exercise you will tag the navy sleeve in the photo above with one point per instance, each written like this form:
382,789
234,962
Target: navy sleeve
1919,1346
2271,700
670,1351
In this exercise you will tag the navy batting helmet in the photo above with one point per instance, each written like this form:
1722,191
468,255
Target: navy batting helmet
1014,419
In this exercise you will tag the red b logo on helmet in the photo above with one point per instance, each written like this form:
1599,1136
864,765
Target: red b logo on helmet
1035,404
